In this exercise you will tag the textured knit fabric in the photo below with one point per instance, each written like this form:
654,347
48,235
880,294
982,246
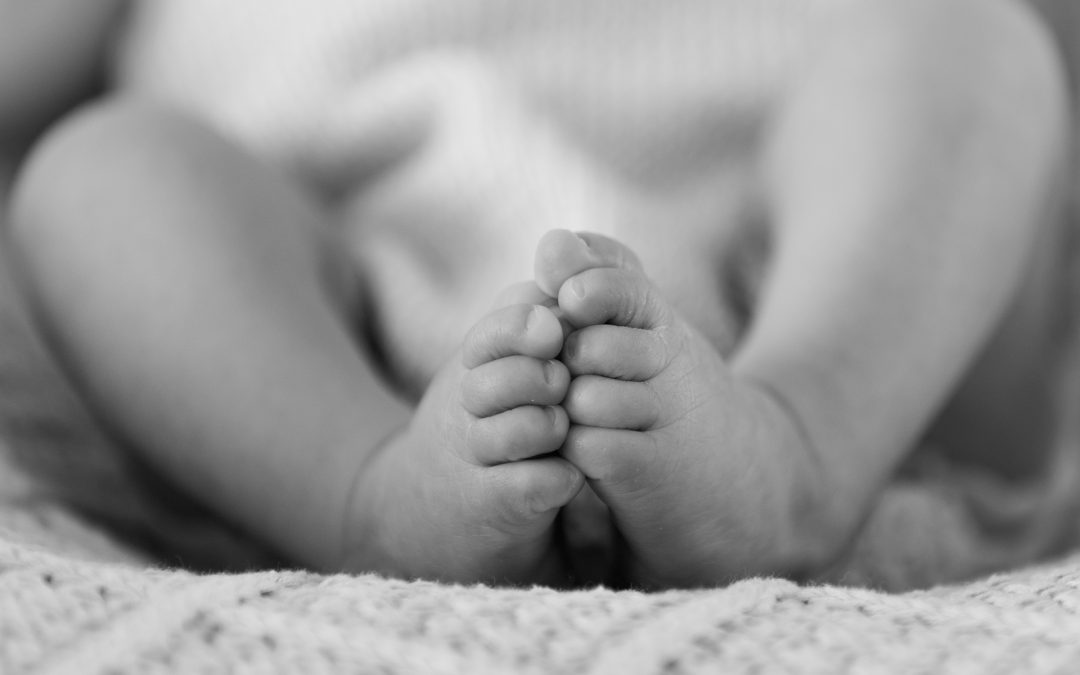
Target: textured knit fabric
63,610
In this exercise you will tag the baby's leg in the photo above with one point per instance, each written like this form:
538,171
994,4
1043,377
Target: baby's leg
911,175
186,290
190,293
906,195
695,466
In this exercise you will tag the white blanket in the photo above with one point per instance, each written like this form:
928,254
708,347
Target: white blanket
72,602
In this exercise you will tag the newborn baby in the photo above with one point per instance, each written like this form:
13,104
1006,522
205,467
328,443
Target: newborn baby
698,277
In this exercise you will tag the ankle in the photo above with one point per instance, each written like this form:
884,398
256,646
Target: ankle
813,527
361,534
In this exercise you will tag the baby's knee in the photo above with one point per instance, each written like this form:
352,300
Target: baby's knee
988,55
100,154
1010,60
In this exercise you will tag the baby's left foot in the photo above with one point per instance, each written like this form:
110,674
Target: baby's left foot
695,465
470,490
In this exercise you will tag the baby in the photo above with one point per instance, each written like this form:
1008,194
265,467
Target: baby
715,374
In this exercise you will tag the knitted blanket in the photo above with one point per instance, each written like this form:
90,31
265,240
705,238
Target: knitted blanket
73,602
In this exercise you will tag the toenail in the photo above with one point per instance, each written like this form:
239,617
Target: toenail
573,477
577,287
551,371
571,347
532,318
552,413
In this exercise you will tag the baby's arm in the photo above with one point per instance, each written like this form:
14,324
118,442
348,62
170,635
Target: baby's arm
909,175
50,54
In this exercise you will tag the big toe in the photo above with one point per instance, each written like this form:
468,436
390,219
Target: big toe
617,296
525,330
528,493
562,254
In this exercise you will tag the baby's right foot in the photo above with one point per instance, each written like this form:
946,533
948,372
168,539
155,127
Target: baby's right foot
699,469
469,491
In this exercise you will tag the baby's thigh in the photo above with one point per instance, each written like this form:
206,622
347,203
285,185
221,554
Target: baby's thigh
1004,414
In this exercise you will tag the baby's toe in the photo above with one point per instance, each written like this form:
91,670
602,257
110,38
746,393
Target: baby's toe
561,254
617,352
512,381
521,493
621,297
617,462
521,433
526,330
613,404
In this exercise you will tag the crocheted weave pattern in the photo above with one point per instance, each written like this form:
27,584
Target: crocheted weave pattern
91,607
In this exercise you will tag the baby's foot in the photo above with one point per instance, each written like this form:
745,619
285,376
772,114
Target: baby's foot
469,491
689,459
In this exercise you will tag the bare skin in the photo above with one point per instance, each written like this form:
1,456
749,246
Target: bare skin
466,490
238,370
483,480
767,461
687,457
